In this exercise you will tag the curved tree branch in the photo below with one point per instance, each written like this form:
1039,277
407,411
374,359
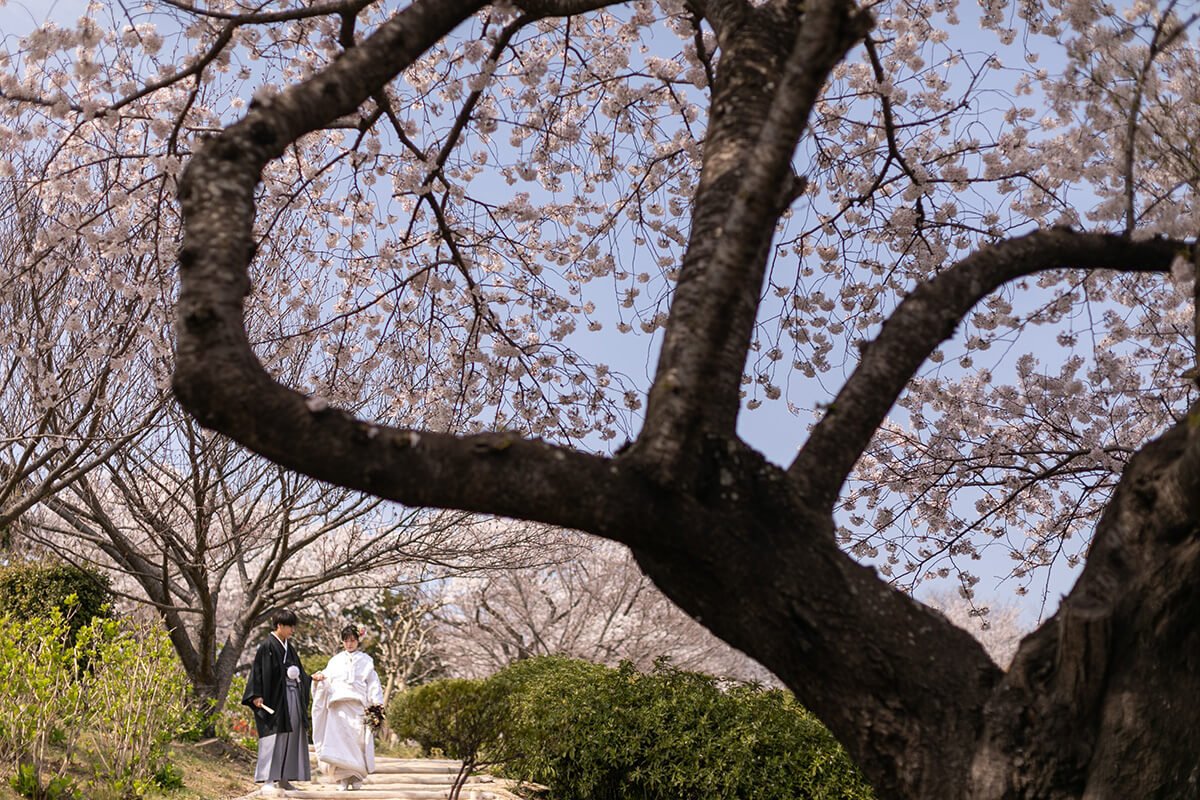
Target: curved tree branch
928,317
239,397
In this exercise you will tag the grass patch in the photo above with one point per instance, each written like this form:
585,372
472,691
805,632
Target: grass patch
215,770
211,770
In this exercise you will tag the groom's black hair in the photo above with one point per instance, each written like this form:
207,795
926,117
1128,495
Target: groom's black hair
283,617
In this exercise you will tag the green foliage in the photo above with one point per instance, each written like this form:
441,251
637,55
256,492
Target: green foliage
616,734
139,700
26,784
235,723
33,590
42,703
313,662
109,700
167,777
585,730
462,718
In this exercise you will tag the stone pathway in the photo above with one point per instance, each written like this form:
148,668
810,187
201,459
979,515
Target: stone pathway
402,779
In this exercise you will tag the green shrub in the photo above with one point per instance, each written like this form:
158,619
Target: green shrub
43,705
139,699
110,700
463,719
235,723
167,777
28,591
616,734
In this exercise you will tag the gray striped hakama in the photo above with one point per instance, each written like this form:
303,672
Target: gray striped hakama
284,756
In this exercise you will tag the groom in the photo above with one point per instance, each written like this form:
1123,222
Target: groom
277,690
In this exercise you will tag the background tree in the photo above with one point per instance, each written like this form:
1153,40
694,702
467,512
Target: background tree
591,602
398,623
77,311
215,539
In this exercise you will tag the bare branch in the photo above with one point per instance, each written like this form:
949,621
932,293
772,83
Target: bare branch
929,316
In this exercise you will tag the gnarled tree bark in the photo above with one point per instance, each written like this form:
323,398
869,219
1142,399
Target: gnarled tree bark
1089,707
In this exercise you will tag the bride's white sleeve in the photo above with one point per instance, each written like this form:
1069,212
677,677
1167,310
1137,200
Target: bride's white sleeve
320,693
374,690
320,712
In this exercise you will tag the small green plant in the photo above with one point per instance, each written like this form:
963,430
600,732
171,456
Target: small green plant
463,718
27,783
168,777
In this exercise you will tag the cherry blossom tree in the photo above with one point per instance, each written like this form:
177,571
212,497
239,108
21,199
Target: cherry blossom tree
83,320
95,464
591,602
215,539
397,623
969,253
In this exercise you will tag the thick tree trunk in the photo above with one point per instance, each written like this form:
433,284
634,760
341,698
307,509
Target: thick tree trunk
767,577
1098,703
1101,701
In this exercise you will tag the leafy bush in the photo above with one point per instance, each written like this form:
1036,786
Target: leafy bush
138,696
585,730
235,722
28,591
462,718
27,784
111,699
42,704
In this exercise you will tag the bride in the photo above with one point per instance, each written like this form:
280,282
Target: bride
345,745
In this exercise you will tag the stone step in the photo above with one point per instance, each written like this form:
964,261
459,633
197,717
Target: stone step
417,766
393,768
369,793
403,779
417,779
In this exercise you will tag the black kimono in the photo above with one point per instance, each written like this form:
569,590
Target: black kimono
283,736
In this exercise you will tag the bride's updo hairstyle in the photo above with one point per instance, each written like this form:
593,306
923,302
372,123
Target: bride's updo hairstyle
351,632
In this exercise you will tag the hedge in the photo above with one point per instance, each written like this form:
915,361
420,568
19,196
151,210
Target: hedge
32,591
617,734
585,730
